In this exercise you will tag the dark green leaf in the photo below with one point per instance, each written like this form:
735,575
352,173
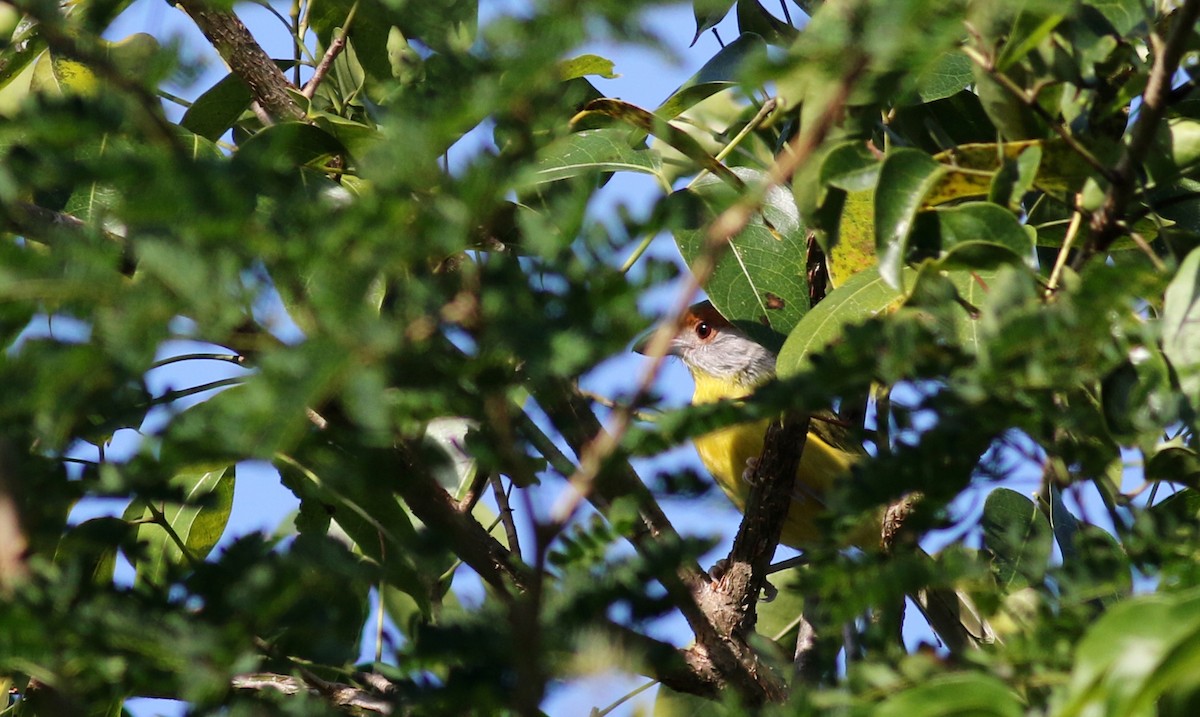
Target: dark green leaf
1019,537
753,17
723,71
981,234
709,14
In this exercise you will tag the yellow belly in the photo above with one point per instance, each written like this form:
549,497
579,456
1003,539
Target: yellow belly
725,453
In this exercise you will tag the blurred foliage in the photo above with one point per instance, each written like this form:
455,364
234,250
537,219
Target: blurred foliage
932,269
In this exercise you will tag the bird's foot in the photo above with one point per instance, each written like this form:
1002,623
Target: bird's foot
748,472
721,567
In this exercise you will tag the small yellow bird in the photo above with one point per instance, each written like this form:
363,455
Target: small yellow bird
725,363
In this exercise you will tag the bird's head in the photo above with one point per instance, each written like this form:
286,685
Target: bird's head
713,349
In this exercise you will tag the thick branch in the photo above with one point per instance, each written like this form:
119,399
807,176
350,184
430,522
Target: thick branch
1106,223
245,58
772,488
729,660
338,694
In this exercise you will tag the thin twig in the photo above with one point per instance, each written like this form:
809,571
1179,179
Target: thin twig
988,65
335,49
1106,222
229,358
506,514
1061,260
765,111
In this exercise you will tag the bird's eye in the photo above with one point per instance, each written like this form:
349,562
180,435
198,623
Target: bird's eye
703,330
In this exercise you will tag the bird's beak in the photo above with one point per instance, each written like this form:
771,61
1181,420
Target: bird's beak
642,342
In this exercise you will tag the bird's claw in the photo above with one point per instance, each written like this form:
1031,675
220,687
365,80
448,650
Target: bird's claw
748,472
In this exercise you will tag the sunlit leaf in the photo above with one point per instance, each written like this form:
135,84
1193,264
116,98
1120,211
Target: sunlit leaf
1180,322
905,179
585,65
955,694
761,278
198,522
653,124
594,150
862,296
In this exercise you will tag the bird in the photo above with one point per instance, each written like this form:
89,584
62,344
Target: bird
727,364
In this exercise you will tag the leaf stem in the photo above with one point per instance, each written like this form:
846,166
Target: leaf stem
1030,100
160,519
1061,260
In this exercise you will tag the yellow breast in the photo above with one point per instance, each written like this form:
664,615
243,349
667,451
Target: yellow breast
725,453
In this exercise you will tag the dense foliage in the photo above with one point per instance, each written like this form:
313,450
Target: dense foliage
968,226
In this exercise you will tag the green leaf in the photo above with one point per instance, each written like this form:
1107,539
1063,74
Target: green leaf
721,72
215,111
368,31
94,543
709,14
1123,15
862,296
1018,536
906,177
1064,523
653,124
199,521
851,166
1139,650
669,703
754,18
593,150
1181,326
946,77
1138,397
585,65
62,75
220,106
980,235
289,144
760,280
1177,463
1033,23
962,693
358,138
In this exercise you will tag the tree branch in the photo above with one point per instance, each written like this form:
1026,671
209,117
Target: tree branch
725,659
338,694
772,487
438,509
1107,221
335,49
246,58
